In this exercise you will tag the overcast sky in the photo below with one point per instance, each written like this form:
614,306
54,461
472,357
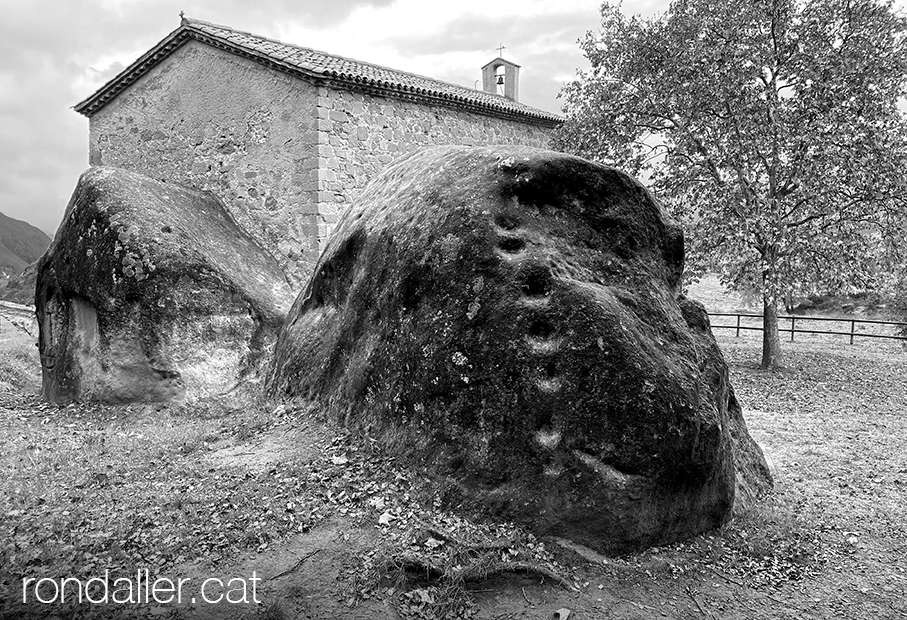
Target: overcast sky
54,53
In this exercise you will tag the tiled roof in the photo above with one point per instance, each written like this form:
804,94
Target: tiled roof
320,68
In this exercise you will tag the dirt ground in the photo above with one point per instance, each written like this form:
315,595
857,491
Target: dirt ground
333,528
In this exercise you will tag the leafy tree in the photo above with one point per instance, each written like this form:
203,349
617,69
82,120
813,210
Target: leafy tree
771,128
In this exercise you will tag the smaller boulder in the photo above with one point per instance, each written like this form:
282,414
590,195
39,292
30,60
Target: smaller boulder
152,292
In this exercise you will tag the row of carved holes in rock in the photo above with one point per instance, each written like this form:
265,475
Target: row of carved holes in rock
536,284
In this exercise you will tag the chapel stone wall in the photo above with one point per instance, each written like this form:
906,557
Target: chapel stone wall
214,121
360,134
286,157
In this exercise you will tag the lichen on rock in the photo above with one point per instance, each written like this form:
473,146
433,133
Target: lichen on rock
511,319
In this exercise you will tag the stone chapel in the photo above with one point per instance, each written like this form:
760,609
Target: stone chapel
287,136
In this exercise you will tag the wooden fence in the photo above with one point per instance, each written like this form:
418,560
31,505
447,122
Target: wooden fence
794,320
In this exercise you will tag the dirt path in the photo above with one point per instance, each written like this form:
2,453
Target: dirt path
232,489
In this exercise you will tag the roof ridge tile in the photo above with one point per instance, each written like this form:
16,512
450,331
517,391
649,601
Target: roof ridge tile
347,71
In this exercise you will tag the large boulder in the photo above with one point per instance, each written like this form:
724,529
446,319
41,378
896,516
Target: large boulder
511,319
151,292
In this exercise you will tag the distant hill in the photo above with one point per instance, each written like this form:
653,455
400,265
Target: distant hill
21,288
21,244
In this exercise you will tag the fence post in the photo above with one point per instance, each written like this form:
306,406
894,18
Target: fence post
852,323
738,327
793,323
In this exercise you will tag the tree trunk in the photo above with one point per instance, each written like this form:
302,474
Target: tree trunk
771,341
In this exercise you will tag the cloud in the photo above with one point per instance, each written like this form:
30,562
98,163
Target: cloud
90,28
55,53
544,44
42,140
482,33
271,12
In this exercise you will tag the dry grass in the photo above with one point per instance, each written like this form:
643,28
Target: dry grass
88,488
834,422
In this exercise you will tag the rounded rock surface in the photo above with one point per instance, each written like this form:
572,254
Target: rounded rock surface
511,318
151,292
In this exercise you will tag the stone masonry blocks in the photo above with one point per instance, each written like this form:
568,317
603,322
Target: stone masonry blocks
285,156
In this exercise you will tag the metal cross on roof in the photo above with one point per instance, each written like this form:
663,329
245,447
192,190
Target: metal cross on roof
501,49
